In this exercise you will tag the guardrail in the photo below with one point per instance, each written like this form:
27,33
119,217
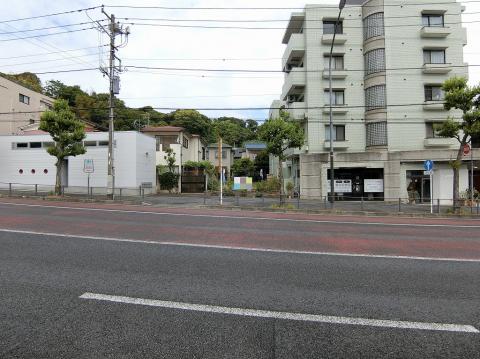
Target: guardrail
15,189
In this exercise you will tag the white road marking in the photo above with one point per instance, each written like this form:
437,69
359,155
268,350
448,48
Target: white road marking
246,249
453,226
283,315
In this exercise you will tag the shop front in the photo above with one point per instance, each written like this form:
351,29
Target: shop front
353,184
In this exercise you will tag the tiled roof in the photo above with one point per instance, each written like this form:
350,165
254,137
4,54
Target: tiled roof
162,129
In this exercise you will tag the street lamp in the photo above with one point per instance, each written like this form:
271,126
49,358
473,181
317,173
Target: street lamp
341,5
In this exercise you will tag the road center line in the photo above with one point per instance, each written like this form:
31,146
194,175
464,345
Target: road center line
318,221
282,315
246,249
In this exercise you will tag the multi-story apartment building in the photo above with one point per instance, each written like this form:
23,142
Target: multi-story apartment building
16,102
390,59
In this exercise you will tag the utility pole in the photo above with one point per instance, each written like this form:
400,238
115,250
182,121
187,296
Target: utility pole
114,29
220,155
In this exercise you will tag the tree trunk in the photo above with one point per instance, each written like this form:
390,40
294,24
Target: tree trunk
58,179
456,179
280,177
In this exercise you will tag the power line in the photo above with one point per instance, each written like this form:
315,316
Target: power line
241,108
47,28
282,71
333,6
39,40
269,28
50,34
51,53
50,60
50,15
300,21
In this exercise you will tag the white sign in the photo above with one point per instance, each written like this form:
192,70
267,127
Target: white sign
427,173
88,166
373,185
341,186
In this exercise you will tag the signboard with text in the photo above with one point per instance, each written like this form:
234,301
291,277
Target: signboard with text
88,166
373,186
341,186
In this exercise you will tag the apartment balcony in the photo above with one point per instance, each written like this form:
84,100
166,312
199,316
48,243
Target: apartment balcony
336,110
439,142
295,82
337,145
297,110
295,50
435,32
336,74
433,106
340,39
437,69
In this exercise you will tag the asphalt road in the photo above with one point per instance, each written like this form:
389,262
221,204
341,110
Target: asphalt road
178,283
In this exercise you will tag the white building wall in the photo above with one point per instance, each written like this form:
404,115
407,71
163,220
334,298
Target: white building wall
404,49
133,166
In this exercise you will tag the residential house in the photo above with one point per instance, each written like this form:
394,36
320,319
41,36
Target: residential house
186,147
227,157
20,106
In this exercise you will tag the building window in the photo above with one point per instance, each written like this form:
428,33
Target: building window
24,99
90,143
338,133
338,97
185,142
377,134
434,93
35,145
433,20
375,97
432,129
434,56
373,26
329,27
48,144
20,145
337,62
224,154
103,143
375,61
165,142
476,142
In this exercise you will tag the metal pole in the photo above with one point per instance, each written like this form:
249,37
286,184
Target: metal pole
88,185
111,128
220,153
332,166
471,177
431,192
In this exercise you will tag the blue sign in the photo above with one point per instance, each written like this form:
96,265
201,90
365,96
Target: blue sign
428,165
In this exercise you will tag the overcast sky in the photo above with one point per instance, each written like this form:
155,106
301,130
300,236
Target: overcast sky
171,47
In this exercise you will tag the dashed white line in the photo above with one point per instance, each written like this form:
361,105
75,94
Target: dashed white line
318,221
247,249
327,319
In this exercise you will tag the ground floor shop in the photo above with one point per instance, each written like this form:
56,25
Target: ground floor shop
388,176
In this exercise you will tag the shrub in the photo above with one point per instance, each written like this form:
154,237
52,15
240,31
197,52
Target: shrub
271,185
243,167
168,181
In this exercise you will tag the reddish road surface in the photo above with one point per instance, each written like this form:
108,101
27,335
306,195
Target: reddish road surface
380,236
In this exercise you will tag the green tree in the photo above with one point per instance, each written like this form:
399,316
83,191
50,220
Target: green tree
67,132
193,122
458,95
280,134
27,79
243,167
262,162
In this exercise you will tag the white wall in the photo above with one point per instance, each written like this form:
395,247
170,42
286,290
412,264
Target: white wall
133,165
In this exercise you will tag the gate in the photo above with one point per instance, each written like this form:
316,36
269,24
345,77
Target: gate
193,183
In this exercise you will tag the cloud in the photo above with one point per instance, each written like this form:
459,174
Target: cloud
148,42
